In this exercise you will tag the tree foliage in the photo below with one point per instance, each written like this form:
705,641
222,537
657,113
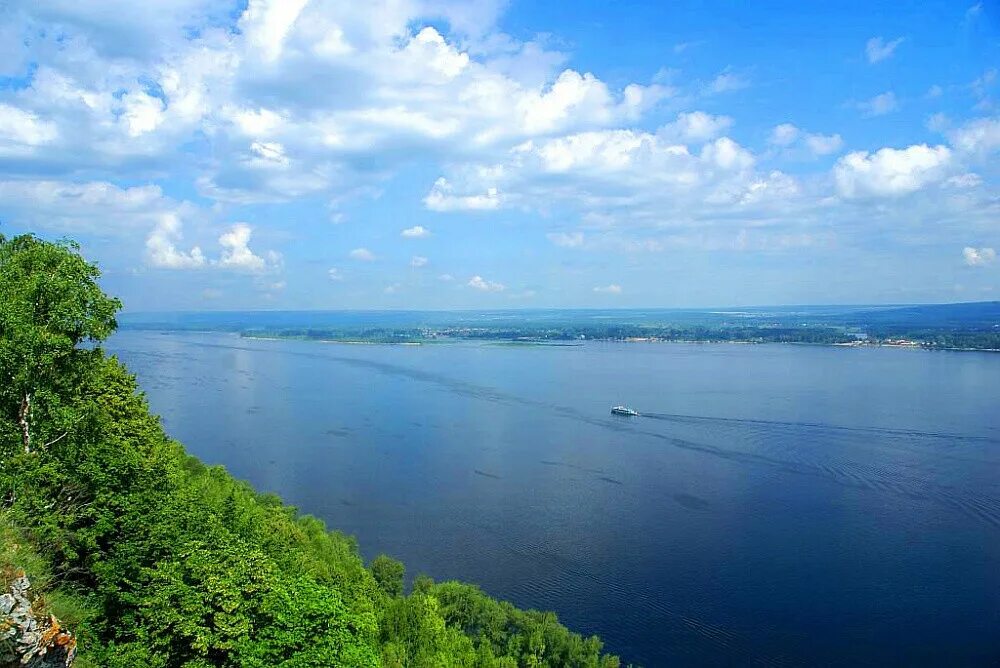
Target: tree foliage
178,564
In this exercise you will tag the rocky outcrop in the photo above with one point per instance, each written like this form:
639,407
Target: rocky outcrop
27,638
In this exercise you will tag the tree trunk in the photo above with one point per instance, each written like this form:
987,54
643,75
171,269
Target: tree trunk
24,418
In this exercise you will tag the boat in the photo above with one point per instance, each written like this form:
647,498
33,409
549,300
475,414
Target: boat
624,410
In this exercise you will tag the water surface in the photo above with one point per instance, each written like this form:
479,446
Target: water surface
773,505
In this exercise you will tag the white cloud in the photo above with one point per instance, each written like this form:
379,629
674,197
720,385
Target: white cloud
142,113
891,172
613,289
94,206
440,198
787,135
824,144
725,82
446,278
880,105
784,134
392,289
695,127
978,136
415,232
629,178
335,274
978,257
479,283
161,250
877,49
418,261
964,181
362,254
121,83
236,253
230,103
268,153
21,131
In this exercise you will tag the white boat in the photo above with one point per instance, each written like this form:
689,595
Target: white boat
624,410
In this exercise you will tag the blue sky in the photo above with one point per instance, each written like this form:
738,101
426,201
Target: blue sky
438,154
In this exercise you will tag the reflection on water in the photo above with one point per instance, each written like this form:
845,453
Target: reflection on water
778,504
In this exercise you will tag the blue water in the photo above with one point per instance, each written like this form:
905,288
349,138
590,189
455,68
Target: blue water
773,505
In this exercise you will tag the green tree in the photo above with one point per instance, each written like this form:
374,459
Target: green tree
388,574
50,303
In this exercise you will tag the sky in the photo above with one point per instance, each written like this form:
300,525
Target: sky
440,154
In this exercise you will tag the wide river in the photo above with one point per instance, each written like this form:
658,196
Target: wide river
774,504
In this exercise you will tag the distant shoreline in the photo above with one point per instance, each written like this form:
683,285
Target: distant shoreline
914,345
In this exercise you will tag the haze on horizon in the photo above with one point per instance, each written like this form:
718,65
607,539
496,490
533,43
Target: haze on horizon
431,154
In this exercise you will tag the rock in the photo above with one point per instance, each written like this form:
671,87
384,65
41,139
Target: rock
30,640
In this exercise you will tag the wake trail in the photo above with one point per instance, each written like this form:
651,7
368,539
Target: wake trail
821,426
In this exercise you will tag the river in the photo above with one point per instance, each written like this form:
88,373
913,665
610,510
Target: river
773,504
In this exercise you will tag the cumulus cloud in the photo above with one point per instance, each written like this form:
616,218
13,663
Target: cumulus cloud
236,253
418,261
891,172
978,257
824,144
880,105
627,179
442,198
695,127
116,85
725,82
21,131
877,49
362,254
784,134
141,88
93,206
481,284
415,232
613,289
335,274
161,249
978,136
787,135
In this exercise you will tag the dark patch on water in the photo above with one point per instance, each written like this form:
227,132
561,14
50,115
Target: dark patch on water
691,501
487,474
610,480
339,432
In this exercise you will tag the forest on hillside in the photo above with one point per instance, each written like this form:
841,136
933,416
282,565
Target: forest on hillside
151,558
